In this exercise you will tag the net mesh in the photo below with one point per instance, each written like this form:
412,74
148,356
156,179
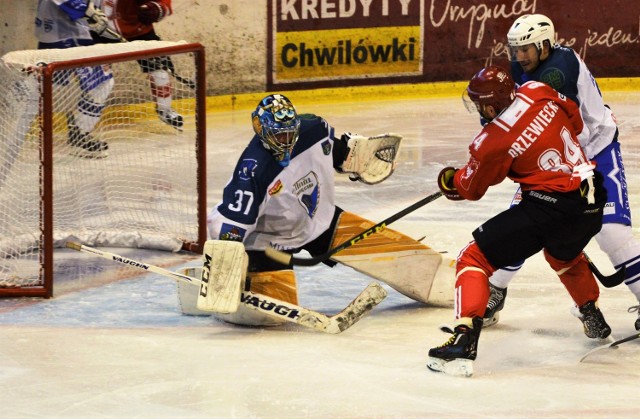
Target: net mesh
122,175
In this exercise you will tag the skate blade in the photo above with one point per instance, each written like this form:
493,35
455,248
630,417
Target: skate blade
454,368
488,322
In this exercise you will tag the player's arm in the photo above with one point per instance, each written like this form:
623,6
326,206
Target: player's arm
369,160
487,166
236,215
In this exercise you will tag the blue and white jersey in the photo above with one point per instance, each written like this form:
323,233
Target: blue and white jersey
265,204
60,21
565,71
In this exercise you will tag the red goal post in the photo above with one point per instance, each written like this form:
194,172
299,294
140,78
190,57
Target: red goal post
147,190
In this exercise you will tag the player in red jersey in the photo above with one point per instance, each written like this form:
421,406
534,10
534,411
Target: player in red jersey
134,19
532,140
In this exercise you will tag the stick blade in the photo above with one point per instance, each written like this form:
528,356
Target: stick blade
361,305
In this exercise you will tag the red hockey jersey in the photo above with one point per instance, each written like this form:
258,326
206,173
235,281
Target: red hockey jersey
533,142
123,15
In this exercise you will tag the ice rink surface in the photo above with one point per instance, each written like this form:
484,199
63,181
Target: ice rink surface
123,349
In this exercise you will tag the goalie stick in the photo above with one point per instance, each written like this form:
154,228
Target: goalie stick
611,345
288,259
371,296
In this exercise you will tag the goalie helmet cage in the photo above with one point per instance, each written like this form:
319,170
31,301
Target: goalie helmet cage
149,191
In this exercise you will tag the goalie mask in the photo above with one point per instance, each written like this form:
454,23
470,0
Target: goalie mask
491,86
277,124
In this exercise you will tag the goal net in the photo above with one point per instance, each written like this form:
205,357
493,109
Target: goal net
104,145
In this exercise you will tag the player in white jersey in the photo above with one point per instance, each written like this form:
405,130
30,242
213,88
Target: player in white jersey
68,24
281,195
536,56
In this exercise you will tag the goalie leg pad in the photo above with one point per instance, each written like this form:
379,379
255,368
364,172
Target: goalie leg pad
280,285
276,284
224,267
385,254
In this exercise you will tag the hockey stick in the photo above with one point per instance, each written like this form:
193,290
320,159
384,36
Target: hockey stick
371,296
611,345
288,259
609,281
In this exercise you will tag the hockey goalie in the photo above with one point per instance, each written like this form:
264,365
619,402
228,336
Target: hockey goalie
281,195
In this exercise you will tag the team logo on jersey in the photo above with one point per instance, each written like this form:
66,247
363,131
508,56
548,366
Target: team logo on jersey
469,172
326,147
247,169
231,232
554,77
308,192
275,188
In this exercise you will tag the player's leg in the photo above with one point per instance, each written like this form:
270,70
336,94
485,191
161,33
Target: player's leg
161,89
616,238
455,356
162,93
579,281
508,237
499,281
96,84
564,242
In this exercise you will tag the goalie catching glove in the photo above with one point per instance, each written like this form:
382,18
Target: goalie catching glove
370,160
446,185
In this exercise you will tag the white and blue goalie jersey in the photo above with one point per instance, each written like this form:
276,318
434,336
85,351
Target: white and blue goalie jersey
265,204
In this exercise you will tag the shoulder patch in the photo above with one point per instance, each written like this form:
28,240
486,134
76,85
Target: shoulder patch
275,188
247,169
326,147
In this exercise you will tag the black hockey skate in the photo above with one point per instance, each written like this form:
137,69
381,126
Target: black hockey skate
595,326
171,117
456,356
497,297
84,145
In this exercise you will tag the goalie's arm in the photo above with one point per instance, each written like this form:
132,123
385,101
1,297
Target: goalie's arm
369,160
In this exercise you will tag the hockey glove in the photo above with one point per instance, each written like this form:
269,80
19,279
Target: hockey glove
150,12
445,183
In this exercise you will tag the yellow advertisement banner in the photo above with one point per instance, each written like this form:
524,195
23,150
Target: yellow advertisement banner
348,53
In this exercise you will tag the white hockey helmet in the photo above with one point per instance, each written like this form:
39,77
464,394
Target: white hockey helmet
532,29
